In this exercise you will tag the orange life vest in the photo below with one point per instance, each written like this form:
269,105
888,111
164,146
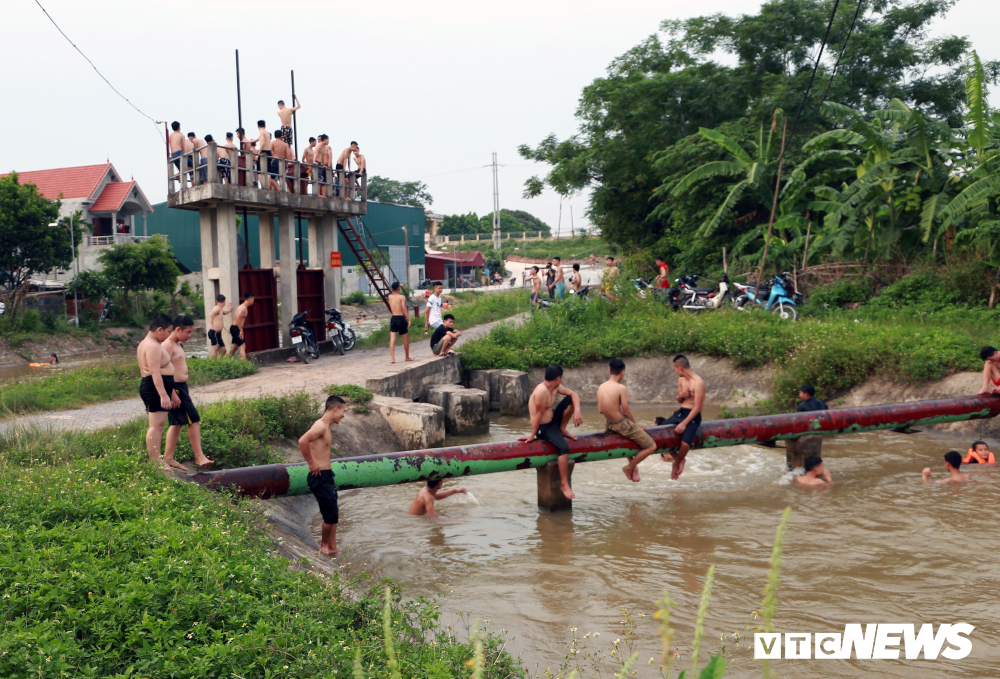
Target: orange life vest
972,457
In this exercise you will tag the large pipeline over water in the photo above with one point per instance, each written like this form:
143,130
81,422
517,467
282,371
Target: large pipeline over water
488,458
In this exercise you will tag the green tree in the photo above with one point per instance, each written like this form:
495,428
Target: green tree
660,93
28,244
385,190
142,266
454,225
90,284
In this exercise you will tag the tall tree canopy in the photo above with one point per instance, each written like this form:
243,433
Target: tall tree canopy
385,190
635,123
511,221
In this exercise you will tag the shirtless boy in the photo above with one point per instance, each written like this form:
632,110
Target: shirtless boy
264,139
691,396
199,144
215,318
952,463
185,413
610,276
236,329
612,402
991,371
560,281
246,146
156,388
536,287
816,475
399,324
360,161
549,424
344,159
322,158
315,448
424,502
227,152
285,115
577,278
176,141
279,149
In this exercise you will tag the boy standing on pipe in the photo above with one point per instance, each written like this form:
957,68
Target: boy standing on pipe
315,448
612,402
691,396
549,424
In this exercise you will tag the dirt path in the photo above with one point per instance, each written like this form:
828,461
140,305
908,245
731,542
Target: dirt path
356,367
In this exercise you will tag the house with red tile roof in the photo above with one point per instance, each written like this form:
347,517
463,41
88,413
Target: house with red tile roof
114,209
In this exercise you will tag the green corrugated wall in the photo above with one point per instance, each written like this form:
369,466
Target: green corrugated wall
384,222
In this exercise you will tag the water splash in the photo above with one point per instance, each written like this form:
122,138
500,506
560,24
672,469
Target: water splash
472,497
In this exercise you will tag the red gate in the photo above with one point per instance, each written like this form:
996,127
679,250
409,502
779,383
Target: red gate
311,284
261,327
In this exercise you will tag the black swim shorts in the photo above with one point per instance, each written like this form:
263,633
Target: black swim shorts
215,338
340,166
150,397
186,413
324,488
235,332
691,430
399,325
552,431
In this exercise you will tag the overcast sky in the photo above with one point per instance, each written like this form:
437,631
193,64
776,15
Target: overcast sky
429,89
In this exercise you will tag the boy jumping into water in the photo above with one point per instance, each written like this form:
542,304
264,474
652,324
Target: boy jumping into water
816,475
424,502
952,463
691,396
549,424
315,448
991,371
612,402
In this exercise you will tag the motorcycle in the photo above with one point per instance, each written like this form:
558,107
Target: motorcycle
341,334
106,312
781,296
704,299
303,338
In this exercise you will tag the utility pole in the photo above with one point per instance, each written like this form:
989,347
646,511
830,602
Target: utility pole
559,223
496,206
571,231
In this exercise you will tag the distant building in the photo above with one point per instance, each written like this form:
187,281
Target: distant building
110,205
446,267
433,220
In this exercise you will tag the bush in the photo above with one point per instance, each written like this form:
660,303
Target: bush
356,297
353,393
841,292
206,371
31,321
963,284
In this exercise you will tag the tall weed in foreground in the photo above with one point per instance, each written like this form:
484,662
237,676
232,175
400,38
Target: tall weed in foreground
770,603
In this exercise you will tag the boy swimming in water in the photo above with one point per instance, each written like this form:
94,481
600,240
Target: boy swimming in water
424,502
952,463
979,453
816,476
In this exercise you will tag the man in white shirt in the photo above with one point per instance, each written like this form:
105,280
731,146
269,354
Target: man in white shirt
432,315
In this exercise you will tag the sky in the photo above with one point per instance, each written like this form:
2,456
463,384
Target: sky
428,89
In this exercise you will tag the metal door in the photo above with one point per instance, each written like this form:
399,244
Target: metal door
261,327
310,284
397,260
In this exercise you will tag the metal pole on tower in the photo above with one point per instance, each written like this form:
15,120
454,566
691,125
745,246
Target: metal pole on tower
496,206
239,121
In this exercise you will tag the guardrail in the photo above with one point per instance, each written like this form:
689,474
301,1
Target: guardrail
117,239
213,164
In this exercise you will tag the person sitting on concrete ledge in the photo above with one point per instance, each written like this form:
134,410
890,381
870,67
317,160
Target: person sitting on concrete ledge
423,504
979,453
816,475
809,402
952,463
445,337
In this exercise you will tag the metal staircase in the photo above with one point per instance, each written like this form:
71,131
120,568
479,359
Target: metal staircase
361,243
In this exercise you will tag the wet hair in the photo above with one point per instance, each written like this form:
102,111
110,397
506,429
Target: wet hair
682,361
160,321
553,372
354,143
660,421
436,283
395,286
808,389
248,295
220,298
616,366
954,458
434,483
986,352
54,356
576,267
261,123
312,138
229,135
281,102
240,130
209,137
175,126
447,317
183,321
277,134
334,402
191,134
324,137
812,462
977,443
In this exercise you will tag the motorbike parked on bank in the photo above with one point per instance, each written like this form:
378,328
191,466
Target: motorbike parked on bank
340,332
687,294
778,296
303,338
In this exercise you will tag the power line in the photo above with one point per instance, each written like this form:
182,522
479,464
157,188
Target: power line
843,49
153,120
819,56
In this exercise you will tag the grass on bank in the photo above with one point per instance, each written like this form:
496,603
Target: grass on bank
567,248
105,381
359,396
471,308
833,353
108,568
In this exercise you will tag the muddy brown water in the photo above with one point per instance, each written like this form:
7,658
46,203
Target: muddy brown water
879,547
67,363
